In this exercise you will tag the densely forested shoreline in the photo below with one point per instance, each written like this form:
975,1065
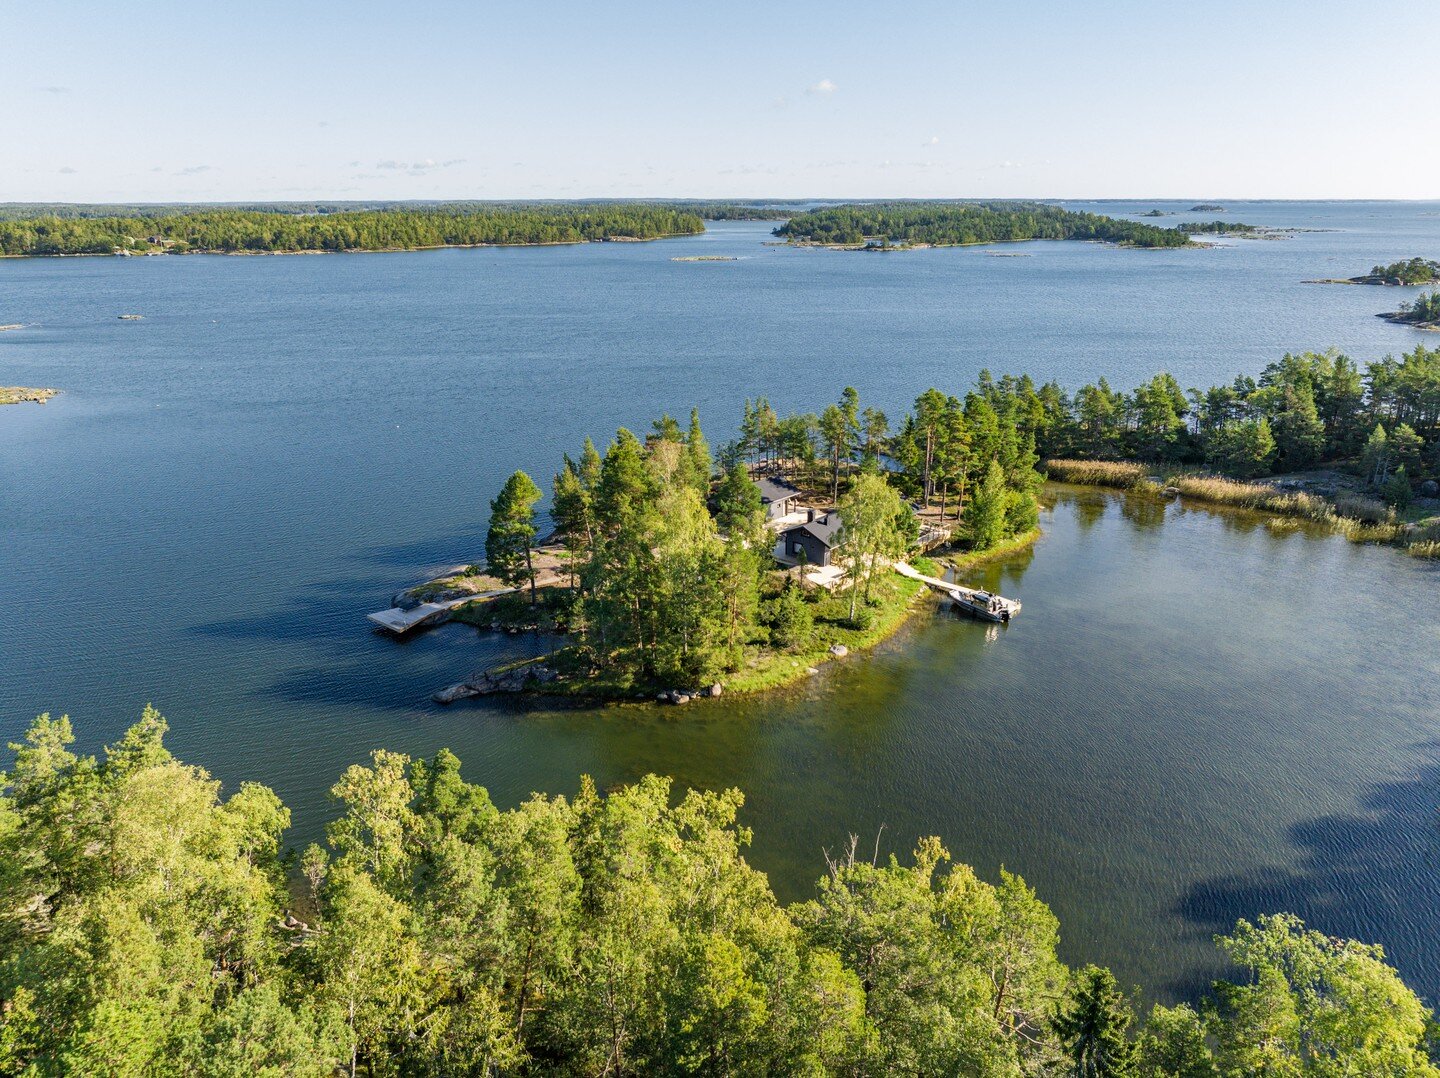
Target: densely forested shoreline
151,926
231,231
948,223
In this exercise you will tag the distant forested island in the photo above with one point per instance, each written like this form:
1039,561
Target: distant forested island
225,230
1207,207
951,223
1405,273
1218,228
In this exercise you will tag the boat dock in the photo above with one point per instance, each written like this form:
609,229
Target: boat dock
399,620
982,604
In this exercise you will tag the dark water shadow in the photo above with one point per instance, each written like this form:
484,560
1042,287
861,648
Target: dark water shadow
1373,875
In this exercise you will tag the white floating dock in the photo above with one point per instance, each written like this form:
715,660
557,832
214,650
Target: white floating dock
399,620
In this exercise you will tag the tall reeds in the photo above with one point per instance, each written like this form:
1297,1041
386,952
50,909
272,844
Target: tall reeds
1258,496
1125,474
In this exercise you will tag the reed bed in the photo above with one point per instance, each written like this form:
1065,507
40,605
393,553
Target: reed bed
1358,517
1125,474
1254,496
1362,507
1360,531
1425,548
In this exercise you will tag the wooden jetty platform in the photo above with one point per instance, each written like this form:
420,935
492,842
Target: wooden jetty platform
983,604
399,620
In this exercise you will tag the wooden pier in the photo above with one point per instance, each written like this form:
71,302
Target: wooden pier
982,604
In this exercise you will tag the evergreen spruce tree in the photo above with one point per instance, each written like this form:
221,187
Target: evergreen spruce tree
1093,1029
984,514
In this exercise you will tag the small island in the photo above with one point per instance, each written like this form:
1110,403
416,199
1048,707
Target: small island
1207,207
672,576
1404,274
25,395
1225,228
1424,313
902,226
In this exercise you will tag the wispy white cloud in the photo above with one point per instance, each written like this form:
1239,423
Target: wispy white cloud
824,86
418,168
933,140
57,90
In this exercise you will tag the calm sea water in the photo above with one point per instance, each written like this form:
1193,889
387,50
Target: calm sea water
1195,719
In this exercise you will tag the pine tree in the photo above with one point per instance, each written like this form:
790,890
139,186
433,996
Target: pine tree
1299,434
511,533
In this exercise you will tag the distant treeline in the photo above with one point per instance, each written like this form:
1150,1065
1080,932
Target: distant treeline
972,222
226,230
726,210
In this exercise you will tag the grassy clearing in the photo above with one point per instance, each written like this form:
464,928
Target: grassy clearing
892,599
1124,474
964,561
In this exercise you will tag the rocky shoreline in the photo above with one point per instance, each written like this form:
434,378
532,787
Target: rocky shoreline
25,395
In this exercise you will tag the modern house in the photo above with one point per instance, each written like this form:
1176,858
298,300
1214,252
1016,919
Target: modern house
778,497
815,539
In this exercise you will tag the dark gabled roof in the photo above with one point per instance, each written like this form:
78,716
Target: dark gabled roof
825,528
776,490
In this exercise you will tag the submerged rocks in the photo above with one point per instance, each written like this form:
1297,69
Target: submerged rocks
684,696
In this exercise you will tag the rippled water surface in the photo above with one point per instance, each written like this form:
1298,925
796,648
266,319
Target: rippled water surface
1195,718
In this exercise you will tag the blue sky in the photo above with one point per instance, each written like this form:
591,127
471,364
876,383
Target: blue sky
155,100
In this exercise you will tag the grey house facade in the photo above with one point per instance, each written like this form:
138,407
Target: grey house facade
815,540
777,497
